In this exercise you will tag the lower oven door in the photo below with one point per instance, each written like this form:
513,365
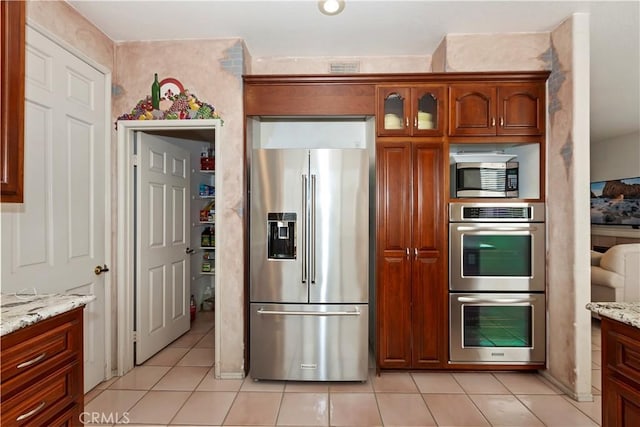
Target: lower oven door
497,328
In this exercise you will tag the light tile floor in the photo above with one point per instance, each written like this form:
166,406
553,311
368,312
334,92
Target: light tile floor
177,387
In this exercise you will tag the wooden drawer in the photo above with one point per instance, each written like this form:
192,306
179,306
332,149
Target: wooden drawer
69,418
42,400
35,350
623,352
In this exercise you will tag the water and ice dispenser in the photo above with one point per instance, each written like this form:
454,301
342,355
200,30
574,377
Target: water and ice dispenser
281,235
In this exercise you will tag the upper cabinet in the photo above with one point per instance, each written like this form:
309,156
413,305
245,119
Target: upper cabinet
483,109
12,32
410,111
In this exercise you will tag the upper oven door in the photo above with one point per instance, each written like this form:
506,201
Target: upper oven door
505,257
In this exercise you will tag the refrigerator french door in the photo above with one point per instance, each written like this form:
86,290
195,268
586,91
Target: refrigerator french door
309,264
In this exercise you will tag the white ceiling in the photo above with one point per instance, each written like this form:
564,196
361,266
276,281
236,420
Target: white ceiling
394,27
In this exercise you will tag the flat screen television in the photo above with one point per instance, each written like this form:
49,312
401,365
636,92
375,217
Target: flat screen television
616,202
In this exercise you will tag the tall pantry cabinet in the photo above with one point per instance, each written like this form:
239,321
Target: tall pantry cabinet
409,172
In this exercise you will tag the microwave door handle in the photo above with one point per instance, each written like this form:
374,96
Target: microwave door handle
496,300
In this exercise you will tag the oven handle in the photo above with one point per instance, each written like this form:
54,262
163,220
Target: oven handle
496,300
497,228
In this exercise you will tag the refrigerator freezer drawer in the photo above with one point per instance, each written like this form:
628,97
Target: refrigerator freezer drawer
303,342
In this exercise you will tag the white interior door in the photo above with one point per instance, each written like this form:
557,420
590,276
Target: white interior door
53,241
162,220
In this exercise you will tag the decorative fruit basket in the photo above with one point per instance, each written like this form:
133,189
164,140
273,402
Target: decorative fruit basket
181,106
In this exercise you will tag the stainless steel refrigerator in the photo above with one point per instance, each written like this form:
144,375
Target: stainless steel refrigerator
309,264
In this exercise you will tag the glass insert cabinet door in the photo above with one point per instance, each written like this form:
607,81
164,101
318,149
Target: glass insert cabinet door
410,110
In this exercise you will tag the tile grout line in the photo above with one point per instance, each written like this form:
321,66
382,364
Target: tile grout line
433,417
518,399
470,399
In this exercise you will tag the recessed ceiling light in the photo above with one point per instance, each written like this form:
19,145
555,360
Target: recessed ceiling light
331,7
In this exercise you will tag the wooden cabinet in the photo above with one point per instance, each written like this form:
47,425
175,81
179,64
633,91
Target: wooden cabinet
410,111
620,374
42,372
485,109
410,289
309,95
420,118
12,45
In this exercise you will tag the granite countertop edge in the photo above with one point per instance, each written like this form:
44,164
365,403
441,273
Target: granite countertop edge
624,312
20,311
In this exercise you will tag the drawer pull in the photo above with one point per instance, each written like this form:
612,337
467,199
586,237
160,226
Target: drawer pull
31,412
32,361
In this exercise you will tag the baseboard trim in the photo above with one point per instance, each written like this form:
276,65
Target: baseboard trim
578,397
232,375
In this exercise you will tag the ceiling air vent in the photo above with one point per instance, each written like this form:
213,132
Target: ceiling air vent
344,67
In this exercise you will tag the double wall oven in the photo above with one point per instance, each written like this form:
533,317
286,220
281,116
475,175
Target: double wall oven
497,283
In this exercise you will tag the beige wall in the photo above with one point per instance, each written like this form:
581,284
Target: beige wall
199,66
439,58
321,65
495,52
63,21
616,158
568,277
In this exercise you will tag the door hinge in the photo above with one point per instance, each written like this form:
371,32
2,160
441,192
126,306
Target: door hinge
135,336
134,160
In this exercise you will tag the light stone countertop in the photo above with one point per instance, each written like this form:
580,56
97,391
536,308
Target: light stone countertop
20,311
625,312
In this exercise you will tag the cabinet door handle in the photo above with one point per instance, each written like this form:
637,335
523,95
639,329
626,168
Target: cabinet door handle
406,121
407,249
415,252
31,412
32,361
501,121
415,122
493,121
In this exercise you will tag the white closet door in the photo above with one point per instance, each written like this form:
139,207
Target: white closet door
54,240
162,221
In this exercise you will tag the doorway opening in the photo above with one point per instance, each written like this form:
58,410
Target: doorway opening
166,237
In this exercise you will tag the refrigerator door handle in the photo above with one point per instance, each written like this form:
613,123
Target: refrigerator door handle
356,312
313,229
304,229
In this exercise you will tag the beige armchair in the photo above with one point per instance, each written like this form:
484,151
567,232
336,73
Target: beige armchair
615,274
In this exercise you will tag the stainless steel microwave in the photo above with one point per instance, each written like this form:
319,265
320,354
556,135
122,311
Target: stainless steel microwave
485,179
